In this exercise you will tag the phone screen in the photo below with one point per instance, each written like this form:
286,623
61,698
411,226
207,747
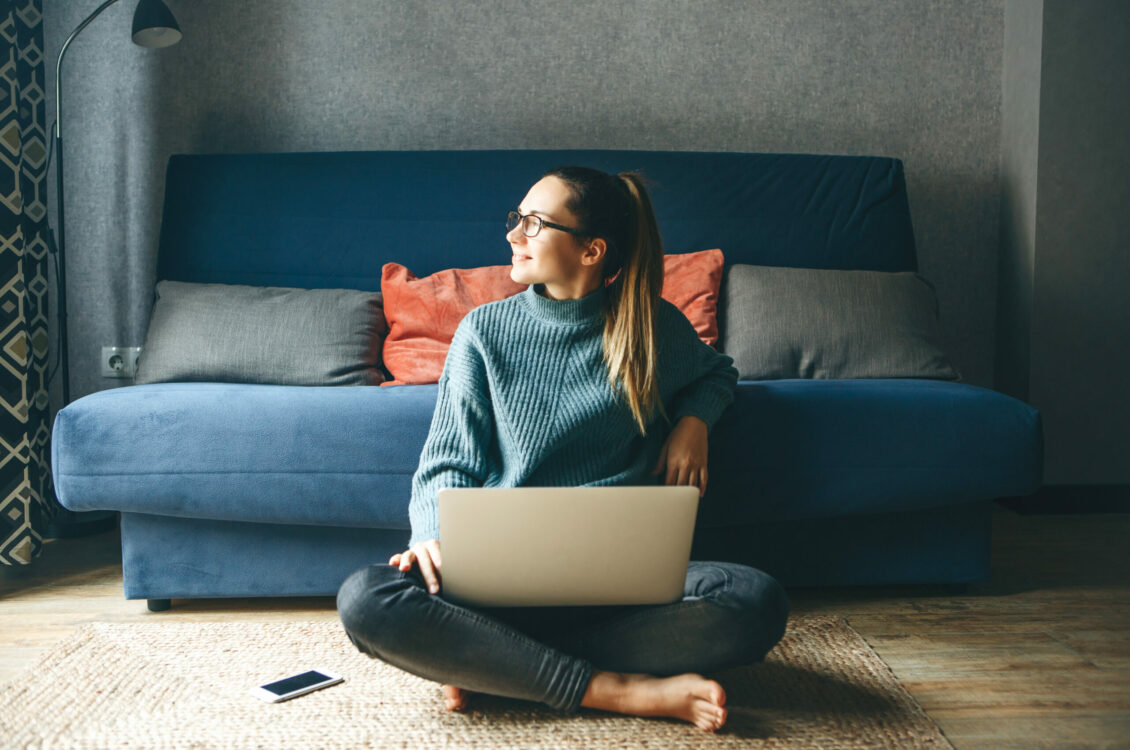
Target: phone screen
299,681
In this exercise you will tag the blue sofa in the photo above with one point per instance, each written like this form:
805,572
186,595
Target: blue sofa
230,490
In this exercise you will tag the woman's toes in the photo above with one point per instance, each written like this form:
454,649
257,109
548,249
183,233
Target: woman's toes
454,698
707,724
710,717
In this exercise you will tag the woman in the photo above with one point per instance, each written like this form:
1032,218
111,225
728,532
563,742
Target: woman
571,383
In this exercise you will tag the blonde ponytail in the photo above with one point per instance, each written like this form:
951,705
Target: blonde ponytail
617,209
630,347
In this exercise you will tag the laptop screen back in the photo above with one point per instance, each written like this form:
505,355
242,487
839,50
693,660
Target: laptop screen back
562,546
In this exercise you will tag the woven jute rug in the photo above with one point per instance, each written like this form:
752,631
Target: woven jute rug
185,685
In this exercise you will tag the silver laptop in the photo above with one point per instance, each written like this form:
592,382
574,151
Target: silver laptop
565,546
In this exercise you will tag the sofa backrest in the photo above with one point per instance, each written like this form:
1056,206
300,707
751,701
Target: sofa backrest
333,219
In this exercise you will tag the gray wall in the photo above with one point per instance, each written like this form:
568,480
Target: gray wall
1020,150
1080,319
1063,315
918,81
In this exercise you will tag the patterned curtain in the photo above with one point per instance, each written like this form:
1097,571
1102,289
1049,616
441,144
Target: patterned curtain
27,499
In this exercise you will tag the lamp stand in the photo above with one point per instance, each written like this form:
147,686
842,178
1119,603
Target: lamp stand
153,26
67,523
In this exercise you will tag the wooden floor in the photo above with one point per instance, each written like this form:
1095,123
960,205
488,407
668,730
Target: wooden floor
1037,657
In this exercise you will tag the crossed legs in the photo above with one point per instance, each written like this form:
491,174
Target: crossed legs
643,660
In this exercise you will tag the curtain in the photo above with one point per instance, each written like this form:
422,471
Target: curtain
27,498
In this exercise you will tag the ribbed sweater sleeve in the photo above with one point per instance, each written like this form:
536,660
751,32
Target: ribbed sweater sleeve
712,377
455,452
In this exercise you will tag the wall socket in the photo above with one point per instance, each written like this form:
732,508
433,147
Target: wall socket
120,361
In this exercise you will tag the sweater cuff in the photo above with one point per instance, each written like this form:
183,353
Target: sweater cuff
424,535
707,404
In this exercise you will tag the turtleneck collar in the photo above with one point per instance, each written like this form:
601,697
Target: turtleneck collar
587,310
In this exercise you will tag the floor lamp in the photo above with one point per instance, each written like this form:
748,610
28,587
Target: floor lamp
153,26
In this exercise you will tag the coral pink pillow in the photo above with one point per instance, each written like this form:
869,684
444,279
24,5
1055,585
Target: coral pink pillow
423,314
691,282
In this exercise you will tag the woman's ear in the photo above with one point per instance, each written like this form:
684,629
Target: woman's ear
594,251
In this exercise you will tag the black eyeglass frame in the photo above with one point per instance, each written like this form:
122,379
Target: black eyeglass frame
541,222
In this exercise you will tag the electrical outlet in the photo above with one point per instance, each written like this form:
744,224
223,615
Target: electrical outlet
120,361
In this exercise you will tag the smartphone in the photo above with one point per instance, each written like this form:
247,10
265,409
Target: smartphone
299,684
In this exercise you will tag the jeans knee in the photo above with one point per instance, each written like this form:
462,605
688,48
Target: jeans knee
775,611
768,612
362,599
351,597
759,602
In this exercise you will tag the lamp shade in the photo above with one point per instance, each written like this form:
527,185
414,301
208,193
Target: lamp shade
154,25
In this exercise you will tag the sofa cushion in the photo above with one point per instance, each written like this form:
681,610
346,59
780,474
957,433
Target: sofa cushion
241,452
787,449
251,218
799,448
831,324
247,334
423,313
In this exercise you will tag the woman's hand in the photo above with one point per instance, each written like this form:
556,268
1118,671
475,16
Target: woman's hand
684,454
427,555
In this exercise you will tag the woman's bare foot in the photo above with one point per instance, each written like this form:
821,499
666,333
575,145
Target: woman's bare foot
690,697
454,698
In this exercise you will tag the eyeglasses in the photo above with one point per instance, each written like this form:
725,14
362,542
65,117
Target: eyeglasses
532,224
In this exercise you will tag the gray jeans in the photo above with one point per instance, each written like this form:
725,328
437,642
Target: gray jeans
729,615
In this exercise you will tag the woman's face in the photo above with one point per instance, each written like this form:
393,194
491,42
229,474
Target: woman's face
552,257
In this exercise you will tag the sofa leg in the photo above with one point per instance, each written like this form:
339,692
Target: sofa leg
160,605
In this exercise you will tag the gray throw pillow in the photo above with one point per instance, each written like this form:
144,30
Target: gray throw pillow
274,335
831,324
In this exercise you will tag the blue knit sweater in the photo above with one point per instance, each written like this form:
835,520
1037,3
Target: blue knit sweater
524,400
